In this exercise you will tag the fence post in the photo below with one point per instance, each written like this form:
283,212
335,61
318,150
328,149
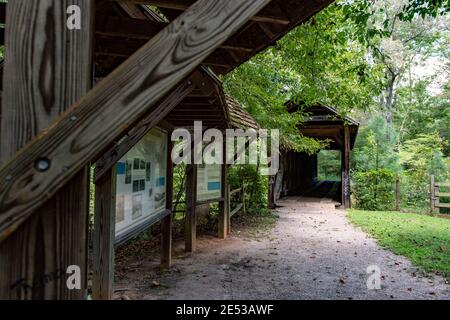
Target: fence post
434,200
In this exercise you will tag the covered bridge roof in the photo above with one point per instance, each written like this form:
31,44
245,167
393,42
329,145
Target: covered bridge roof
325,122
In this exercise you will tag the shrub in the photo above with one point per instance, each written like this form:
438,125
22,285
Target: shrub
256,186
375,189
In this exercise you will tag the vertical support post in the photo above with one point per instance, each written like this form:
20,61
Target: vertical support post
434,190
228,204
166,223
190,231
432,193
47,69
224,214
346,169
104,236
271,193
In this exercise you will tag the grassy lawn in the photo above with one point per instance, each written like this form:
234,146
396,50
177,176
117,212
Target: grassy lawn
423,239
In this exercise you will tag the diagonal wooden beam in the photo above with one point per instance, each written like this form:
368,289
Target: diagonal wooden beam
139,131
106,113
267,14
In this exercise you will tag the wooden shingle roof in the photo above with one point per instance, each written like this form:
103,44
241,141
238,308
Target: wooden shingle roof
239,117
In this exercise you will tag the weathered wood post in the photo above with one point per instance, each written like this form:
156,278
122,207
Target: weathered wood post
346,169
191,205
433,196
104,236
166,223
224,213
47,69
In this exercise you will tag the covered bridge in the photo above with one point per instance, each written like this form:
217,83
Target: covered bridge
298,175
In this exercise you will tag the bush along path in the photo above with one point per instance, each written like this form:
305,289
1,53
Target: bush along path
312,252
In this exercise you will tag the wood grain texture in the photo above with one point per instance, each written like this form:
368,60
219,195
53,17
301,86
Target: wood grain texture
346,168
47,69
104,237
116,103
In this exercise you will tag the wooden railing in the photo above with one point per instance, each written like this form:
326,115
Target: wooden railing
436,194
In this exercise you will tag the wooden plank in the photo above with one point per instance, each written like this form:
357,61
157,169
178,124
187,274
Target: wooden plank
443,205
116,103
443,194
442,184
166,223
268,14
103,237
114,47
48,68
190,227
223,206
346,169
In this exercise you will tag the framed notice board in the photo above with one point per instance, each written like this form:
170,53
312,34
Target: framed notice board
209,182
141,185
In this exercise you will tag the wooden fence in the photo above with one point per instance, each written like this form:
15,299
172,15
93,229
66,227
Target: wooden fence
436,194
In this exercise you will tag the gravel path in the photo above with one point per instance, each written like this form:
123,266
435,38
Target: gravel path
312,253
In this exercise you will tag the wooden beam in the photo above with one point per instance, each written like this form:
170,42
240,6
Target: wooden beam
346,169
143,30
103,116
48,68
115,47
190,226
271,14
166,223
224,214
103,237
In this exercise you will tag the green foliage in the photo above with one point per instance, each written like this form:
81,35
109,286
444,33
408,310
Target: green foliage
423,239
420,158
374,146
374,189
256,186
329,165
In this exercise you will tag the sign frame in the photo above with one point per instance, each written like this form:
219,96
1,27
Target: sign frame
158,215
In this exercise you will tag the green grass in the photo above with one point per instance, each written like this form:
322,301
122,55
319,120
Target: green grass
425,240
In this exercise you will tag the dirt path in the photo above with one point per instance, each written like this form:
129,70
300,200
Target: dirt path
312,253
